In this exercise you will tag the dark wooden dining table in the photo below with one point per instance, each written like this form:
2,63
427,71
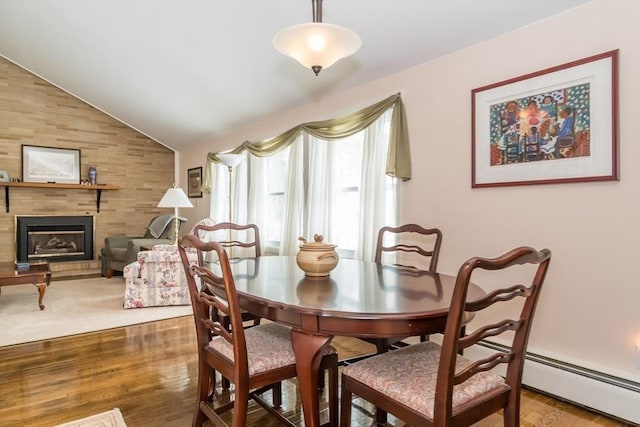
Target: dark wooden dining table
358,299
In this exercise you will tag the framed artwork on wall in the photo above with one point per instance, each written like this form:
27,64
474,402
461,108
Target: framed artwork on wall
551,126
194,182
49,164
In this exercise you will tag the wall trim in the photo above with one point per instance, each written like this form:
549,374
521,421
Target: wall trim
597,391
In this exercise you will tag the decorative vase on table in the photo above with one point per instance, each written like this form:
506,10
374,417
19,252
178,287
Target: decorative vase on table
93,175
316,258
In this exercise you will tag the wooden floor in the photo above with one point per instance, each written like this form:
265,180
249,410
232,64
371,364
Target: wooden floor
149,372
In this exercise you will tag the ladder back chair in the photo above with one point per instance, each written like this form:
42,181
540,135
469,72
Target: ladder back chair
421,245
254,360
242,237
252,242
415,240
430,385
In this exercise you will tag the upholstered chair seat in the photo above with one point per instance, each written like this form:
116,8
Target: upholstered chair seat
408,375
268,347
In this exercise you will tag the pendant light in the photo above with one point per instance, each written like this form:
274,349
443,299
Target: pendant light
317,45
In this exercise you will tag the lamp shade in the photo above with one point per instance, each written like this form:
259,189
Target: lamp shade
175,198
317,45
230,159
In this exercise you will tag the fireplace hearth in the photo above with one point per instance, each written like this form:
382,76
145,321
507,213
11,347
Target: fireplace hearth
54,238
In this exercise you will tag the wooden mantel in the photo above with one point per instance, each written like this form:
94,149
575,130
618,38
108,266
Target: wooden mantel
97,187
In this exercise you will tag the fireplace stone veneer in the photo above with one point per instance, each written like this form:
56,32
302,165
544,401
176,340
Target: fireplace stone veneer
54,238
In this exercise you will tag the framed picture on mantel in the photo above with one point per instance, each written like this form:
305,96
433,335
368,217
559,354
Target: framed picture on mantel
50,165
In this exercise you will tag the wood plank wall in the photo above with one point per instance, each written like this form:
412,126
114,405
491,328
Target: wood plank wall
34,112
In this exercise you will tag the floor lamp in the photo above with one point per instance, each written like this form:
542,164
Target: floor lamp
175,198
230,160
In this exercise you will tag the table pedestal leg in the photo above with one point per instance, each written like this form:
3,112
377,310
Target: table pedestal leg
308,351
41,288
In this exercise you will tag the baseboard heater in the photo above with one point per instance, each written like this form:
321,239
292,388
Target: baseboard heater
608,394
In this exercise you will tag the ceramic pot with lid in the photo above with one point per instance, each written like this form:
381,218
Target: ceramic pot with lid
316,258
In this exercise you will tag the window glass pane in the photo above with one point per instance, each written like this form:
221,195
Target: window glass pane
276,176
347,158
277,171
275,211
346,220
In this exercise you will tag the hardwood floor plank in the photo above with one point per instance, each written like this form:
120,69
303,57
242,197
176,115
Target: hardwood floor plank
149,371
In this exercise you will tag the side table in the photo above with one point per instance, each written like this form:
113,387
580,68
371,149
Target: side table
38,274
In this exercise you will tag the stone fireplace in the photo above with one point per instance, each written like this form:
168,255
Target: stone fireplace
54,238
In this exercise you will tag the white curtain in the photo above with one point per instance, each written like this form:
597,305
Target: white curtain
219,188
378,192
257,200
321,190
239,191
377,206
294,200
311,194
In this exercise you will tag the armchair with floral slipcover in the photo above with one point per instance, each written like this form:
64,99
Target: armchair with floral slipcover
157,276
120,251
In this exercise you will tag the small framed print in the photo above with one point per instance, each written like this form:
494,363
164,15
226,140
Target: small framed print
194,182
4,176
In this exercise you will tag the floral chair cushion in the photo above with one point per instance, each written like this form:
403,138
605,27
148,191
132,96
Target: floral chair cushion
408,375
268,347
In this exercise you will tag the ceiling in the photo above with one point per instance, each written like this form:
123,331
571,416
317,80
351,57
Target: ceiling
184,72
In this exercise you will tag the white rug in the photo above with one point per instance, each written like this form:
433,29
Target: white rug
112,418
71,307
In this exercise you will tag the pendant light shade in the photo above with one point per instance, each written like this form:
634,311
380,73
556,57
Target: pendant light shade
317,45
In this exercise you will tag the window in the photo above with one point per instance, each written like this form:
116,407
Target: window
340,191
276,176
335,188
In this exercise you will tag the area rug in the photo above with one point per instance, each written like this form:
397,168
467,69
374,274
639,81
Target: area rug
112,418
71,307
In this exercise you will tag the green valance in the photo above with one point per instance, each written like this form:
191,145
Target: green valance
398,156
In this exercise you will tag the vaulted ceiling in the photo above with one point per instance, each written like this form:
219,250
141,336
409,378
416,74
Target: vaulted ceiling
185,72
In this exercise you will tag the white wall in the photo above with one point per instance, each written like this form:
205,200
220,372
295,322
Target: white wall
589,311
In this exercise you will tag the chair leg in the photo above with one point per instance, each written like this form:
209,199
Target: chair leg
277,394
109,273
381,417
199,418
321,381
511,412
382,346
240,407
206,381
333,392
345,407
226,384
212,385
